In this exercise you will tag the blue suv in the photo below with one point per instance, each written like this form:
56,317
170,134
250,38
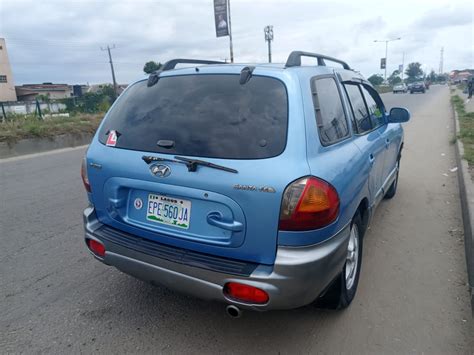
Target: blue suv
248,184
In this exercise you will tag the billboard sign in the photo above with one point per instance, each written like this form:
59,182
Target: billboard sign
221,18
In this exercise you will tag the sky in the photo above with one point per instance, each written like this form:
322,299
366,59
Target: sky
61,41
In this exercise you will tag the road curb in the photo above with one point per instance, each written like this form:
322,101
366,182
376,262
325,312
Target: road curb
39,145
466,190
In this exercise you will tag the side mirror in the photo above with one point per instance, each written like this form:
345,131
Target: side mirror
398,115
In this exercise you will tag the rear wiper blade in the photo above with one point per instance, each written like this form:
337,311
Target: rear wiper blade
193,163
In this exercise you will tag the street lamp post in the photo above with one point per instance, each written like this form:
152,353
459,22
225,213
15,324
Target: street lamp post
386,51
268,30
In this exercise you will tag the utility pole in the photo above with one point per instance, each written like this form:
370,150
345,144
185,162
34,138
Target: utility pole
268,30
441,61
386,51
4,115
230,34
403,64
111,68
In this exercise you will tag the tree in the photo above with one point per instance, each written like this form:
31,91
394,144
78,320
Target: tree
46,98
108,91
442,77
432,76
375,79
91,102
414,72
394,78
151,66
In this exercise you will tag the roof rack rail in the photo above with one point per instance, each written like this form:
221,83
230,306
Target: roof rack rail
294,59
171,64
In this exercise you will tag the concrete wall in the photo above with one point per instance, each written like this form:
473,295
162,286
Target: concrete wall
7,90
37,145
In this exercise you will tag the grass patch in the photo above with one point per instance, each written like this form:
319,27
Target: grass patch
29,126
466,128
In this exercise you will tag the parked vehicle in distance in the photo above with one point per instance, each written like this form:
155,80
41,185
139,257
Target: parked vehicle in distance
252,184
419,86
400,88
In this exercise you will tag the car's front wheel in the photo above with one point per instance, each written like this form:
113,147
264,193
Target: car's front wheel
342,291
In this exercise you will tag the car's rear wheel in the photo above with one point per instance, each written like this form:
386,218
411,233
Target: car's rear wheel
392,190
343,289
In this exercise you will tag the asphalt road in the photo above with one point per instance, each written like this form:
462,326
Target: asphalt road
412,296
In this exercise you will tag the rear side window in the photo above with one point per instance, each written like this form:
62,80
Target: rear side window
375,111
359,110
330,116
203,115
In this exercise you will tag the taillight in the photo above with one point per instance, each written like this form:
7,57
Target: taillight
308,203
85,178
96,247
245,293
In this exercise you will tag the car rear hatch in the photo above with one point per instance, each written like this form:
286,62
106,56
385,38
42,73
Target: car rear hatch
141,185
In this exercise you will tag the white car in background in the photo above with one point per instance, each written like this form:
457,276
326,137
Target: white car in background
400,88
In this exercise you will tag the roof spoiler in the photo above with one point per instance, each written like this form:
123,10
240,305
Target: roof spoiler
294,59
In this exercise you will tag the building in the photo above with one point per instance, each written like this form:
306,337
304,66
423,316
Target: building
29,92
7,87
98,87
459,76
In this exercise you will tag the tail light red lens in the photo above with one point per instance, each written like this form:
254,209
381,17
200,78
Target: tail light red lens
85,178
308,203
245,293
96,247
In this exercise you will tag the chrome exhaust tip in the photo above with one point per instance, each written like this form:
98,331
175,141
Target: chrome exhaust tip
233,311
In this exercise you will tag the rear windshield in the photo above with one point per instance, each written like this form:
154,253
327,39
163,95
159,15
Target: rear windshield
202,115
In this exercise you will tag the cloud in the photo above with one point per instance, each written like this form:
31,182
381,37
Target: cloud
371,24
445,17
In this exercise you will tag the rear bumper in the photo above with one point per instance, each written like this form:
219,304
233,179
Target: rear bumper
298,277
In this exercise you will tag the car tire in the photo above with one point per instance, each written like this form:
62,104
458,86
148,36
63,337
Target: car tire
392,190
342,290
411,92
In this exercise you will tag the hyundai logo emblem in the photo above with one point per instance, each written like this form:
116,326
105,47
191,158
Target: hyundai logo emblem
160,170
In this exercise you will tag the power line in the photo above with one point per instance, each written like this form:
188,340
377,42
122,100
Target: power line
65,44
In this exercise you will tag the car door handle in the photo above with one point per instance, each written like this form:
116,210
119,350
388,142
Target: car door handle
371,159
217,219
